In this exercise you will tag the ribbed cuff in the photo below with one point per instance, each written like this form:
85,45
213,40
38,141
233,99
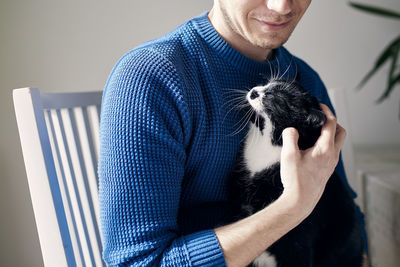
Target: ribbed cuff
204,249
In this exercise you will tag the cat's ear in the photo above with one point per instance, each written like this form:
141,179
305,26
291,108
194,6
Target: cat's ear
316,118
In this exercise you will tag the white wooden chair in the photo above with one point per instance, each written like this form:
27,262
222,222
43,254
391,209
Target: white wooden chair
59,135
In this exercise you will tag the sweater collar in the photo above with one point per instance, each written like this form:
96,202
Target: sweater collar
281,58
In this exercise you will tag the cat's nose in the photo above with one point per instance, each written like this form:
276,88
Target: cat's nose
254,94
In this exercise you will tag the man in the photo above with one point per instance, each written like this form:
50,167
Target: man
167,147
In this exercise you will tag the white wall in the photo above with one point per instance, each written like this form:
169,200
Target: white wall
72,45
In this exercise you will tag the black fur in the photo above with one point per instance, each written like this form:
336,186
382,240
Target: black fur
331,235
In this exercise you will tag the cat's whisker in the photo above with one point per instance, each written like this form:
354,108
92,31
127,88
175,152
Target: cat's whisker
238,107
240,98
270,70
278,70
295,74
274,75
233,103
235,95
244,122
247,137
234,91
236,99
287,69
245,118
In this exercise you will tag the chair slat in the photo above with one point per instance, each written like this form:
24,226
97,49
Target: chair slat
72,230
90,195
79,178
94,120
87,144
71,183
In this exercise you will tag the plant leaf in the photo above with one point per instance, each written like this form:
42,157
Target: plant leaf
385,55
390,88
375,10
392,77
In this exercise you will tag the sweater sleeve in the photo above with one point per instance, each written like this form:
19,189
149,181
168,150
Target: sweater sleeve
145,125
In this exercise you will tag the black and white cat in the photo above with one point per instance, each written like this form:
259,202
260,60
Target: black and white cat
331,234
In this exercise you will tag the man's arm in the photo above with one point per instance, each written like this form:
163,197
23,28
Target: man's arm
304,176
144,125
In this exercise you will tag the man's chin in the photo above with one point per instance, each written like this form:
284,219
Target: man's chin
269,45
272,41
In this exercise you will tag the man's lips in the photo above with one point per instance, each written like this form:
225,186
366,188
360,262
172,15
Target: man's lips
272,25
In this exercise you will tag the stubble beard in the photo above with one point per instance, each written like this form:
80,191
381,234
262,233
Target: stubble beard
266,43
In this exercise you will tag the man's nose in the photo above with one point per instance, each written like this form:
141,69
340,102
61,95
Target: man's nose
282,7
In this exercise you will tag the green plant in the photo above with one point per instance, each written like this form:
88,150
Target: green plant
390,54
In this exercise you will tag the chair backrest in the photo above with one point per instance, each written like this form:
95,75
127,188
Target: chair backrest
59,135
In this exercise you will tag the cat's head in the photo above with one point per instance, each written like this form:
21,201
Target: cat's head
285,104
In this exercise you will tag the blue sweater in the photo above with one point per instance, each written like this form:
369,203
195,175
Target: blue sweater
168,144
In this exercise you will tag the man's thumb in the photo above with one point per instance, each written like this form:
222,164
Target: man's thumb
290,138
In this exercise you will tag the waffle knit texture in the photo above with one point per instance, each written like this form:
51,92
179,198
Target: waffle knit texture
169,139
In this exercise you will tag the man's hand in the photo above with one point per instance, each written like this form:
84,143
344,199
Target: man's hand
305,173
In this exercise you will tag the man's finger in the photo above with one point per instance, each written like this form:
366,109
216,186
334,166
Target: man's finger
339,137
328,131
290,138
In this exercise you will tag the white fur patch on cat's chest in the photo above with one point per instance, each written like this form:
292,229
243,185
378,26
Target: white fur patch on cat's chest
259,153
265,260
